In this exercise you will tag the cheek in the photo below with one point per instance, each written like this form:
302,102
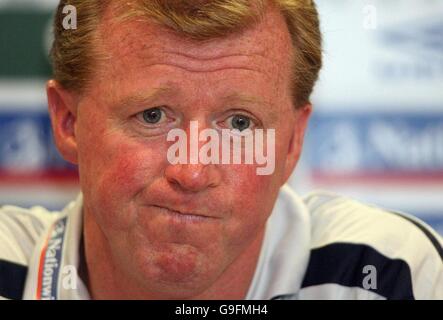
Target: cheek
113,171
255,191
253,200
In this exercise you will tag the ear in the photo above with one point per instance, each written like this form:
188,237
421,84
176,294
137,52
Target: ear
62,108
296,142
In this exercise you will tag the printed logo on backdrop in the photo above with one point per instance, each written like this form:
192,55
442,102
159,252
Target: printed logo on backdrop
20,138
27,148
362,145
416,50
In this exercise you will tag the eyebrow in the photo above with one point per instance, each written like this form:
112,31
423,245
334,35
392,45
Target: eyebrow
244,99
155,93
144,97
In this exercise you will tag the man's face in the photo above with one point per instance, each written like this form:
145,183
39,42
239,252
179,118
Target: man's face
182,224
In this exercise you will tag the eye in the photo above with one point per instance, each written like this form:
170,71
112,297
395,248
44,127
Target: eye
152,116
239,122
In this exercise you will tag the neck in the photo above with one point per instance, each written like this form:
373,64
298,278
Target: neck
106,281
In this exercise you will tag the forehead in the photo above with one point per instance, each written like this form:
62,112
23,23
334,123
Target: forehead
135,45
267,36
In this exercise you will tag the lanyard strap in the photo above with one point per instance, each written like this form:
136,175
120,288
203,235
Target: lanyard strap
50,262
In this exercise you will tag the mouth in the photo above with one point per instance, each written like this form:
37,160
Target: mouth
181,216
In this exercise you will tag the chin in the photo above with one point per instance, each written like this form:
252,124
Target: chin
176,269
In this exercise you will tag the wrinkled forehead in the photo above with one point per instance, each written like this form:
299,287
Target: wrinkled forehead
268,40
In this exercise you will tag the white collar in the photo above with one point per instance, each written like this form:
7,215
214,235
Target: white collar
285,252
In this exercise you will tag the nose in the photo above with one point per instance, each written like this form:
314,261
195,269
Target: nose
193,177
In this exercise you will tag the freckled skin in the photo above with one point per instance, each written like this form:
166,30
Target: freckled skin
136,250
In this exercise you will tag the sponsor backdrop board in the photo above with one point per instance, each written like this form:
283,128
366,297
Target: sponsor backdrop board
376,133
31,170
377,130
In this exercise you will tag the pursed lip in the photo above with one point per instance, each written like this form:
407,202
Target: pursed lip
183,213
